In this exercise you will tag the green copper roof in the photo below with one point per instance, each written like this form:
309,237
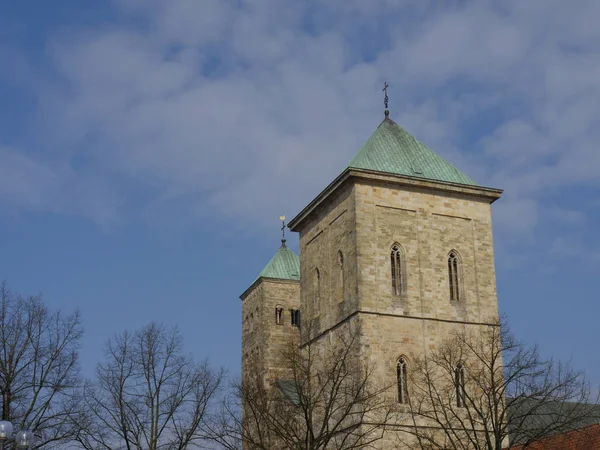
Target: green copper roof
391,149
284,265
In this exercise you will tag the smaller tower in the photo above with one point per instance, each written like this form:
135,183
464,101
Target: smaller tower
271,313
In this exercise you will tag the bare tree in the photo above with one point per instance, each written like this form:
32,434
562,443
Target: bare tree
39,373
482,388
327,399
148,394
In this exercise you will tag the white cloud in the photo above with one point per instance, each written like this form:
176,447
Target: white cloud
27,183
249,110
569,217
566,247
518,216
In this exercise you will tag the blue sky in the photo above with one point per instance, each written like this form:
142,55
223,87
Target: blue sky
147,148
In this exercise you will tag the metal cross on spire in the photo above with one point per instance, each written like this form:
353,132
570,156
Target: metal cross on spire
386,99
282,218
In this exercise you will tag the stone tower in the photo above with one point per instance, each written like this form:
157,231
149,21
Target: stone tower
400,244
270,313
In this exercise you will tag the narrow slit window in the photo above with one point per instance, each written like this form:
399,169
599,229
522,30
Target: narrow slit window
279,315
396,265
341,281
453,276
317,292
401,379
459,382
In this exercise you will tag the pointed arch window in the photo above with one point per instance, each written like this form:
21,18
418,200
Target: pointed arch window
459,384
397,266
453,278
341,281
317,291
402,380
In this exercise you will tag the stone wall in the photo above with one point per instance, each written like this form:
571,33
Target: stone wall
428,225
262,338
364,219
331,231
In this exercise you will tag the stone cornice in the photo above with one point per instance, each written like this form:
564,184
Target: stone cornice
358,175
248,291
401,316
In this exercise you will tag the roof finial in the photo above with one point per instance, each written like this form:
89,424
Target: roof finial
386,99
282,218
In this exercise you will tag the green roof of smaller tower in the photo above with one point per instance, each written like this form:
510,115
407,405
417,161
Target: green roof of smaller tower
391,149
284,265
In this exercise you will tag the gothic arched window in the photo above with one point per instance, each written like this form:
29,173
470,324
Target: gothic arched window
459,384
453,275
401,380
317,291
397,265
341,281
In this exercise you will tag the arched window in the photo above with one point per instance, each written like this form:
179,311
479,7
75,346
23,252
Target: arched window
453,268
459,384
279,315
317,291
295,317
251,327
341,281
397,270
401,379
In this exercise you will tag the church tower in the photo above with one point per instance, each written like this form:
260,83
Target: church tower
401,245
271,314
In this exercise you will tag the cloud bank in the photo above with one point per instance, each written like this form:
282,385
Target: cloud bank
217,110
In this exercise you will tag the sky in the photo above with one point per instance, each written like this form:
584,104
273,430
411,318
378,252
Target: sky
148,148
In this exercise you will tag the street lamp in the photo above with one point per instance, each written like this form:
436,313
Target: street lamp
23,439
6,430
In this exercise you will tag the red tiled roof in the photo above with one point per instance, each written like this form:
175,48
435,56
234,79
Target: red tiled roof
587,438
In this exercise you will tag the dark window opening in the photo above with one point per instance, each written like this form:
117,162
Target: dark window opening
396,264
295,317
341,281
453,276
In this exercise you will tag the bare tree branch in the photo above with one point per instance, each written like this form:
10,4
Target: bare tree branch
39,372
327,399
509,391
148,394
